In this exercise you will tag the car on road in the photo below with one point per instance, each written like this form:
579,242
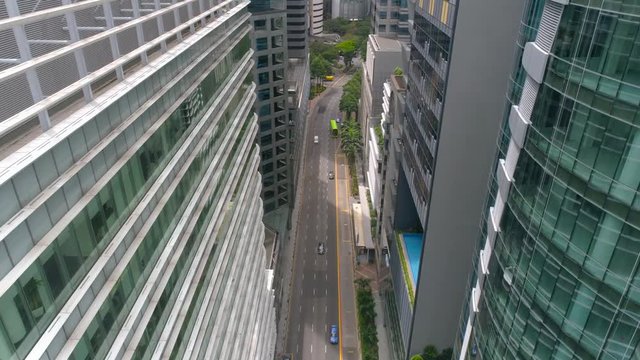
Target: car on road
315,139
321,248
333,334
331,175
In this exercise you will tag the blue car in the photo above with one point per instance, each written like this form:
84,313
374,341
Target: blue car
333,337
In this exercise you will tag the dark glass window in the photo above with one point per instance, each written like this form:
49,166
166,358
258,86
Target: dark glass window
261,44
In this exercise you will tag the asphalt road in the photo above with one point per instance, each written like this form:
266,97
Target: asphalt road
315,294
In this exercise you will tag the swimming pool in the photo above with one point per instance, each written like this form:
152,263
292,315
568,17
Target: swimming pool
413,247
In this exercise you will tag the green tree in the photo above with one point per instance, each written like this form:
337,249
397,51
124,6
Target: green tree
338,26
350,139
319,68
348,104
446,354
430,352
347,49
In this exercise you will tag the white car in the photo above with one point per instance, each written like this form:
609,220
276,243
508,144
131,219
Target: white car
315,139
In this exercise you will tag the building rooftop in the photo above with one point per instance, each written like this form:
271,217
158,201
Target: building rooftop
385,44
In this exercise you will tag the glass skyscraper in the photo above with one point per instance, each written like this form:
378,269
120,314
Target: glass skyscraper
556,270
129,186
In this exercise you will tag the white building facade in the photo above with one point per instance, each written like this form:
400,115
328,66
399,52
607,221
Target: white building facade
130,218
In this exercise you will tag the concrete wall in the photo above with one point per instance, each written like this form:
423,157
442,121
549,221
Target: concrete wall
481,59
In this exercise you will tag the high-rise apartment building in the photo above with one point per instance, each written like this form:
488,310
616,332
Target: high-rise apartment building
383,56
297,28
556,269
456,80
129,186
390,18
317,17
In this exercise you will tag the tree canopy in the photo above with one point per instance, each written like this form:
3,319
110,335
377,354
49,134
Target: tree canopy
320,67
347,49
350,138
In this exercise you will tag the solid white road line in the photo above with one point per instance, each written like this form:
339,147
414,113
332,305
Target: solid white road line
311,351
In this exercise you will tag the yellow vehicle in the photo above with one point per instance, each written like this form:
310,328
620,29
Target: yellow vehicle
329,78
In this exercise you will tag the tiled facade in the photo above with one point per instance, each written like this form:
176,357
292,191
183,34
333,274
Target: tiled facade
556,270
122,222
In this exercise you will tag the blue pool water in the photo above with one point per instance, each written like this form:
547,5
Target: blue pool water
413,245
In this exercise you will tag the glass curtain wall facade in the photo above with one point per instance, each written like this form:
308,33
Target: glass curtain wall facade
123,222
557,263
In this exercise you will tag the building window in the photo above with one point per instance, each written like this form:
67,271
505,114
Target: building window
278,75
265,140
267,154
261,44
269,194
264,110
263,94
265,125
267,168
267,180
260,24
263,78
277,58
382,14
263,61
276,24
277,41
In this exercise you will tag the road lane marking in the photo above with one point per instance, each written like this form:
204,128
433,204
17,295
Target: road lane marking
314,291
300,308
302,276
311,348
325,292
325,349
326,277
314,276
335,168
311,327
313,309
